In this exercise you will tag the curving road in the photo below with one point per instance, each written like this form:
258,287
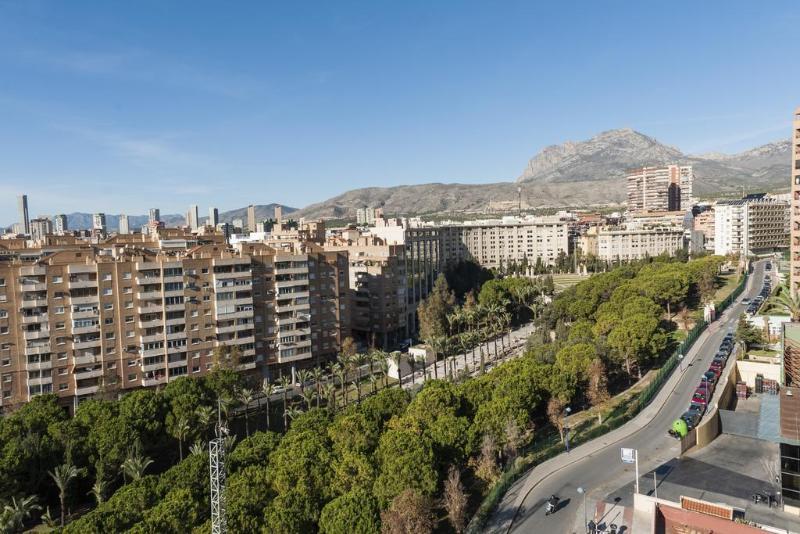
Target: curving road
596,465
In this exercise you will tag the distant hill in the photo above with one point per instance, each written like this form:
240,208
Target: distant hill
575,174
83,221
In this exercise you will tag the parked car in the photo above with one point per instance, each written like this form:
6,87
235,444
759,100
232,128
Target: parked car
692,417
701,408
709,377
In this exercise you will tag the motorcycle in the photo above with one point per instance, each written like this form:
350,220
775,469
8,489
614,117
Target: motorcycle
552,504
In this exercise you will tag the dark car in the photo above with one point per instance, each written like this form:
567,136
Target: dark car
709,377
768,266
700,408
692,417
716,370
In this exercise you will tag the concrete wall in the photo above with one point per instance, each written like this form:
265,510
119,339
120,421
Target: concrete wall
748,369
710,426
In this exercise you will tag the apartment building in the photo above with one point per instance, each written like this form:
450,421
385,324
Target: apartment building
704,223
85,320
40,227
377,283
667,188
752,225
794,257
60,226
632,242
22,208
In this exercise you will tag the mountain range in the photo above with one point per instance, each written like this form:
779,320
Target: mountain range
576,174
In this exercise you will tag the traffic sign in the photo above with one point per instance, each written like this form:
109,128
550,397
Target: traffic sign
628,456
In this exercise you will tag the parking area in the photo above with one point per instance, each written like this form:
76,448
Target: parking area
729,470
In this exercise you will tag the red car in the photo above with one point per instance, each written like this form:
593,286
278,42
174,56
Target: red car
700,397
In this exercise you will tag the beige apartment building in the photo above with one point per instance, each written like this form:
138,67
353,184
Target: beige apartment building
795,205
667,188
378,288
86,320
612,243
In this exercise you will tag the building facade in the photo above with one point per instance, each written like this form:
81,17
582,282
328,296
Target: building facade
60,225
752,225
616,243
667,188
88,320
24,220
794,256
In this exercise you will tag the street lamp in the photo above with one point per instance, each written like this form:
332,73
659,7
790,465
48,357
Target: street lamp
680,361
582,491
567,411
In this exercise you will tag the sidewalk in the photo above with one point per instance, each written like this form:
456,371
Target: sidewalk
507,510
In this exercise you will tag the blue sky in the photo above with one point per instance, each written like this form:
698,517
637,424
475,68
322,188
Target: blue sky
119,106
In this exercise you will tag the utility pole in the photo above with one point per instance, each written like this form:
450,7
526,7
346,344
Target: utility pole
216,459
519,200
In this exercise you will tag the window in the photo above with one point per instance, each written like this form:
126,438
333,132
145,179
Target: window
126,276
107,277
127,290
62,386
61,341
57,279
108,320
107,291
132,377
60,326
3,330
129,318
108,306
3,314
59,310
129,333
131,363
6,362
128,304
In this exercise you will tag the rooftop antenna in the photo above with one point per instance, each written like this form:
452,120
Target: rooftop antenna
216,460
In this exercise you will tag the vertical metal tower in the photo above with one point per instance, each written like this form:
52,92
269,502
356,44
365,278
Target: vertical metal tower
216,460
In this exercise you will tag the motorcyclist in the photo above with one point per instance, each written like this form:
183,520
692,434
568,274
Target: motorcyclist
552,502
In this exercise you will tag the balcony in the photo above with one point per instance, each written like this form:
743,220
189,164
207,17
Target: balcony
177,363
81,269
33,319
154,381
150,308
38,366
37,286
242,274
291,283
77,330
30,335
88,314
174,293
146,280
88,390
90,299
243,340
33,270
149,295
173,322
82,284
42,348
153,323
247,365
233,328
40,381
241,314
80,345
152,352
174,278
93,373
292,270
33,303
175,307
86,359
153,338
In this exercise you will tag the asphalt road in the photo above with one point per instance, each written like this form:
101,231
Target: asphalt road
602,472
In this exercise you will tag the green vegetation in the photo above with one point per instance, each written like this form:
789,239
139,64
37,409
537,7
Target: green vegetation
387,462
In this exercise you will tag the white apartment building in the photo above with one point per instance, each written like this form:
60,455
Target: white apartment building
633,242
752,225
60,226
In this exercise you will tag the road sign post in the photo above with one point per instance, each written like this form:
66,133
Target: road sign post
631,456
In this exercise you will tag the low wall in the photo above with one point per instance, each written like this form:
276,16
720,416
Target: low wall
710,426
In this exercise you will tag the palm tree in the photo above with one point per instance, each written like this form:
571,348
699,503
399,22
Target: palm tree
303,377
308,397
397,358
267,389
341,374
205,415
329,391
357,384
317,374
284,383
384,369
62,476
373,380
19,511
179,430
98,491
436,344
245,396
292,412
198,448
359,360
790,302
135,465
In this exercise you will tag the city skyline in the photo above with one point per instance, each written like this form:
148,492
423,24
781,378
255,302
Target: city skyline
343,115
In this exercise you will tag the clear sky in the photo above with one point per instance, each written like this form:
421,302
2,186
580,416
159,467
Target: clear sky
119,106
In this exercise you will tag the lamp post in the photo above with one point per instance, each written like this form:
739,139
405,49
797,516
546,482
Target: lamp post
567,411
680,360
582,491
